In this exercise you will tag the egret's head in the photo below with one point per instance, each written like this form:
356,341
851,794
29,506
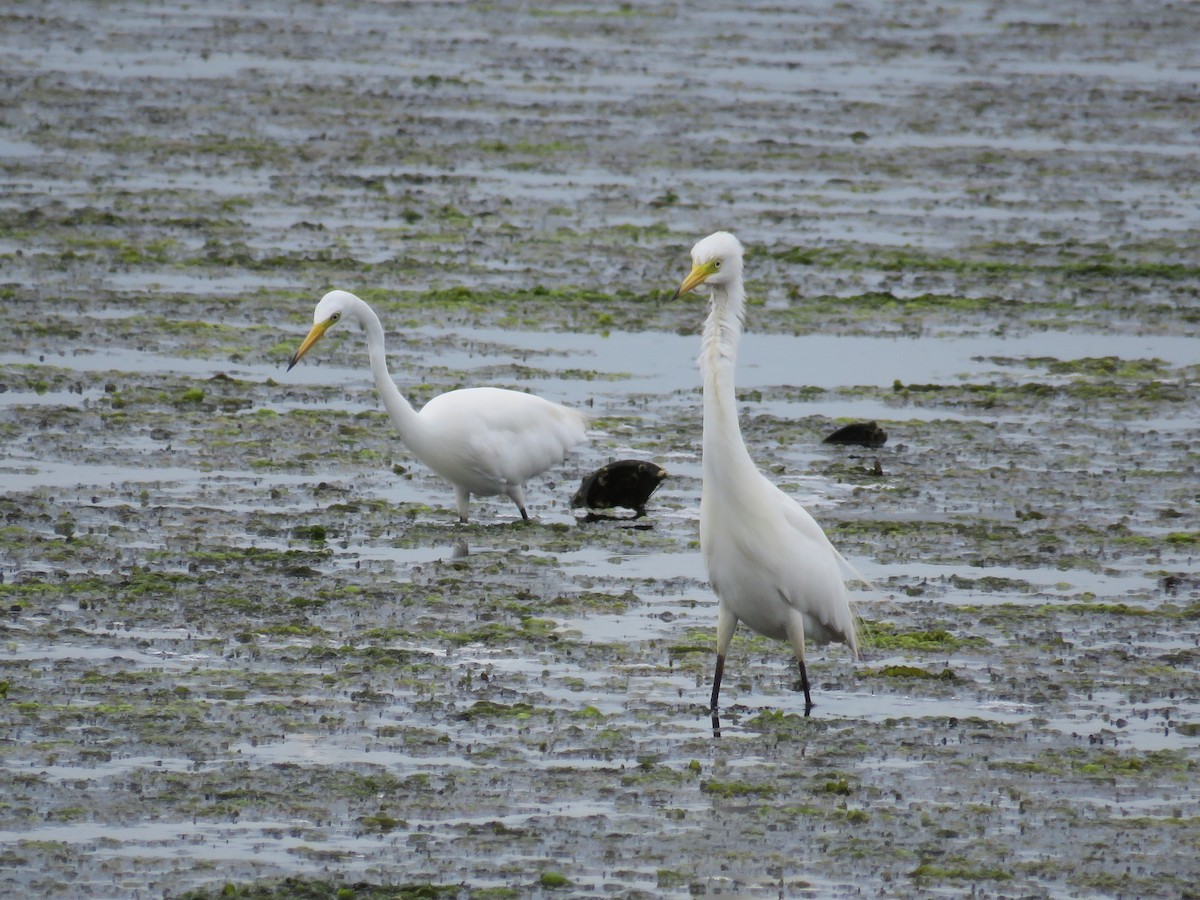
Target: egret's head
331,308
716,260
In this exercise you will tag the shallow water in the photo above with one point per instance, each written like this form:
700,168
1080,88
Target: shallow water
245,636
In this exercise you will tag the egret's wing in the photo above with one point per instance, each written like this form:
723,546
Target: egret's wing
814,581
530,440
505,436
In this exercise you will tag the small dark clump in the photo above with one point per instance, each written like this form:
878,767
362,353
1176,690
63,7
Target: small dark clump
627,483
865,434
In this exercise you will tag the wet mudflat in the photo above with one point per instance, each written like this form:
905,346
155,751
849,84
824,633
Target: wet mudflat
245,641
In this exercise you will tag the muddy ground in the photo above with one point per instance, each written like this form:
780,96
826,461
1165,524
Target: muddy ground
247,649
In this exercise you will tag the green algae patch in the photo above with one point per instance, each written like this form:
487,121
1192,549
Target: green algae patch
1104,366
1103,763
888,636
996,258
382,823
314,533
962,870
676,651
840,787
496,633
729,790
311,889
487,709
911,672
992,584
775,720
1109,763
554,880
1099,609
1183,538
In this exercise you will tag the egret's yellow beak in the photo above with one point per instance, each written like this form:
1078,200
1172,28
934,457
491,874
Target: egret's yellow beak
315,334
700,272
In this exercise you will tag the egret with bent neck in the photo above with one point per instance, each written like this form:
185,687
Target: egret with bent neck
484,441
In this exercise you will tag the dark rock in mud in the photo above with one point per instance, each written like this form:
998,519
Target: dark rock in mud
626,483
864,434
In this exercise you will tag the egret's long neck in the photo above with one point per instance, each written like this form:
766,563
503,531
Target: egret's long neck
723,445
399,410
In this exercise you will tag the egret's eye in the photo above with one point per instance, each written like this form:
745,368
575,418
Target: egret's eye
716,264
335,317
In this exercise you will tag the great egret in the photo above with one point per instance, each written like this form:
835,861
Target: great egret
484,441
769,563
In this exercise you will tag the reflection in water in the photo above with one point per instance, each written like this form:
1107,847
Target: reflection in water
460,549
604,517
716,718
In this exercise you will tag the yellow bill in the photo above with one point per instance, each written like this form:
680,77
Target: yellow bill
699,274
315,334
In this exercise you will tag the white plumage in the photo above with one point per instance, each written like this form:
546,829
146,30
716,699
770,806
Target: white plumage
769,563
484,441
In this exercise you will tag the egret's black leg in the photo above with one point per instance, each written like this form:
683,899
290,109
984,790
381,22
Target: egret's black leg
795,633
712,705
524,515
808,704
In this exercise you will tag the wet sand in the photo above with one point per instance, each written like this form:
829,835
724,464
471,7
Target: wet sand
246,639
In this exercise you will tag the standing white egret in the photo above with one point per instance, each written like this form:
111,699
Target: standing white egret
484,441
769,563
